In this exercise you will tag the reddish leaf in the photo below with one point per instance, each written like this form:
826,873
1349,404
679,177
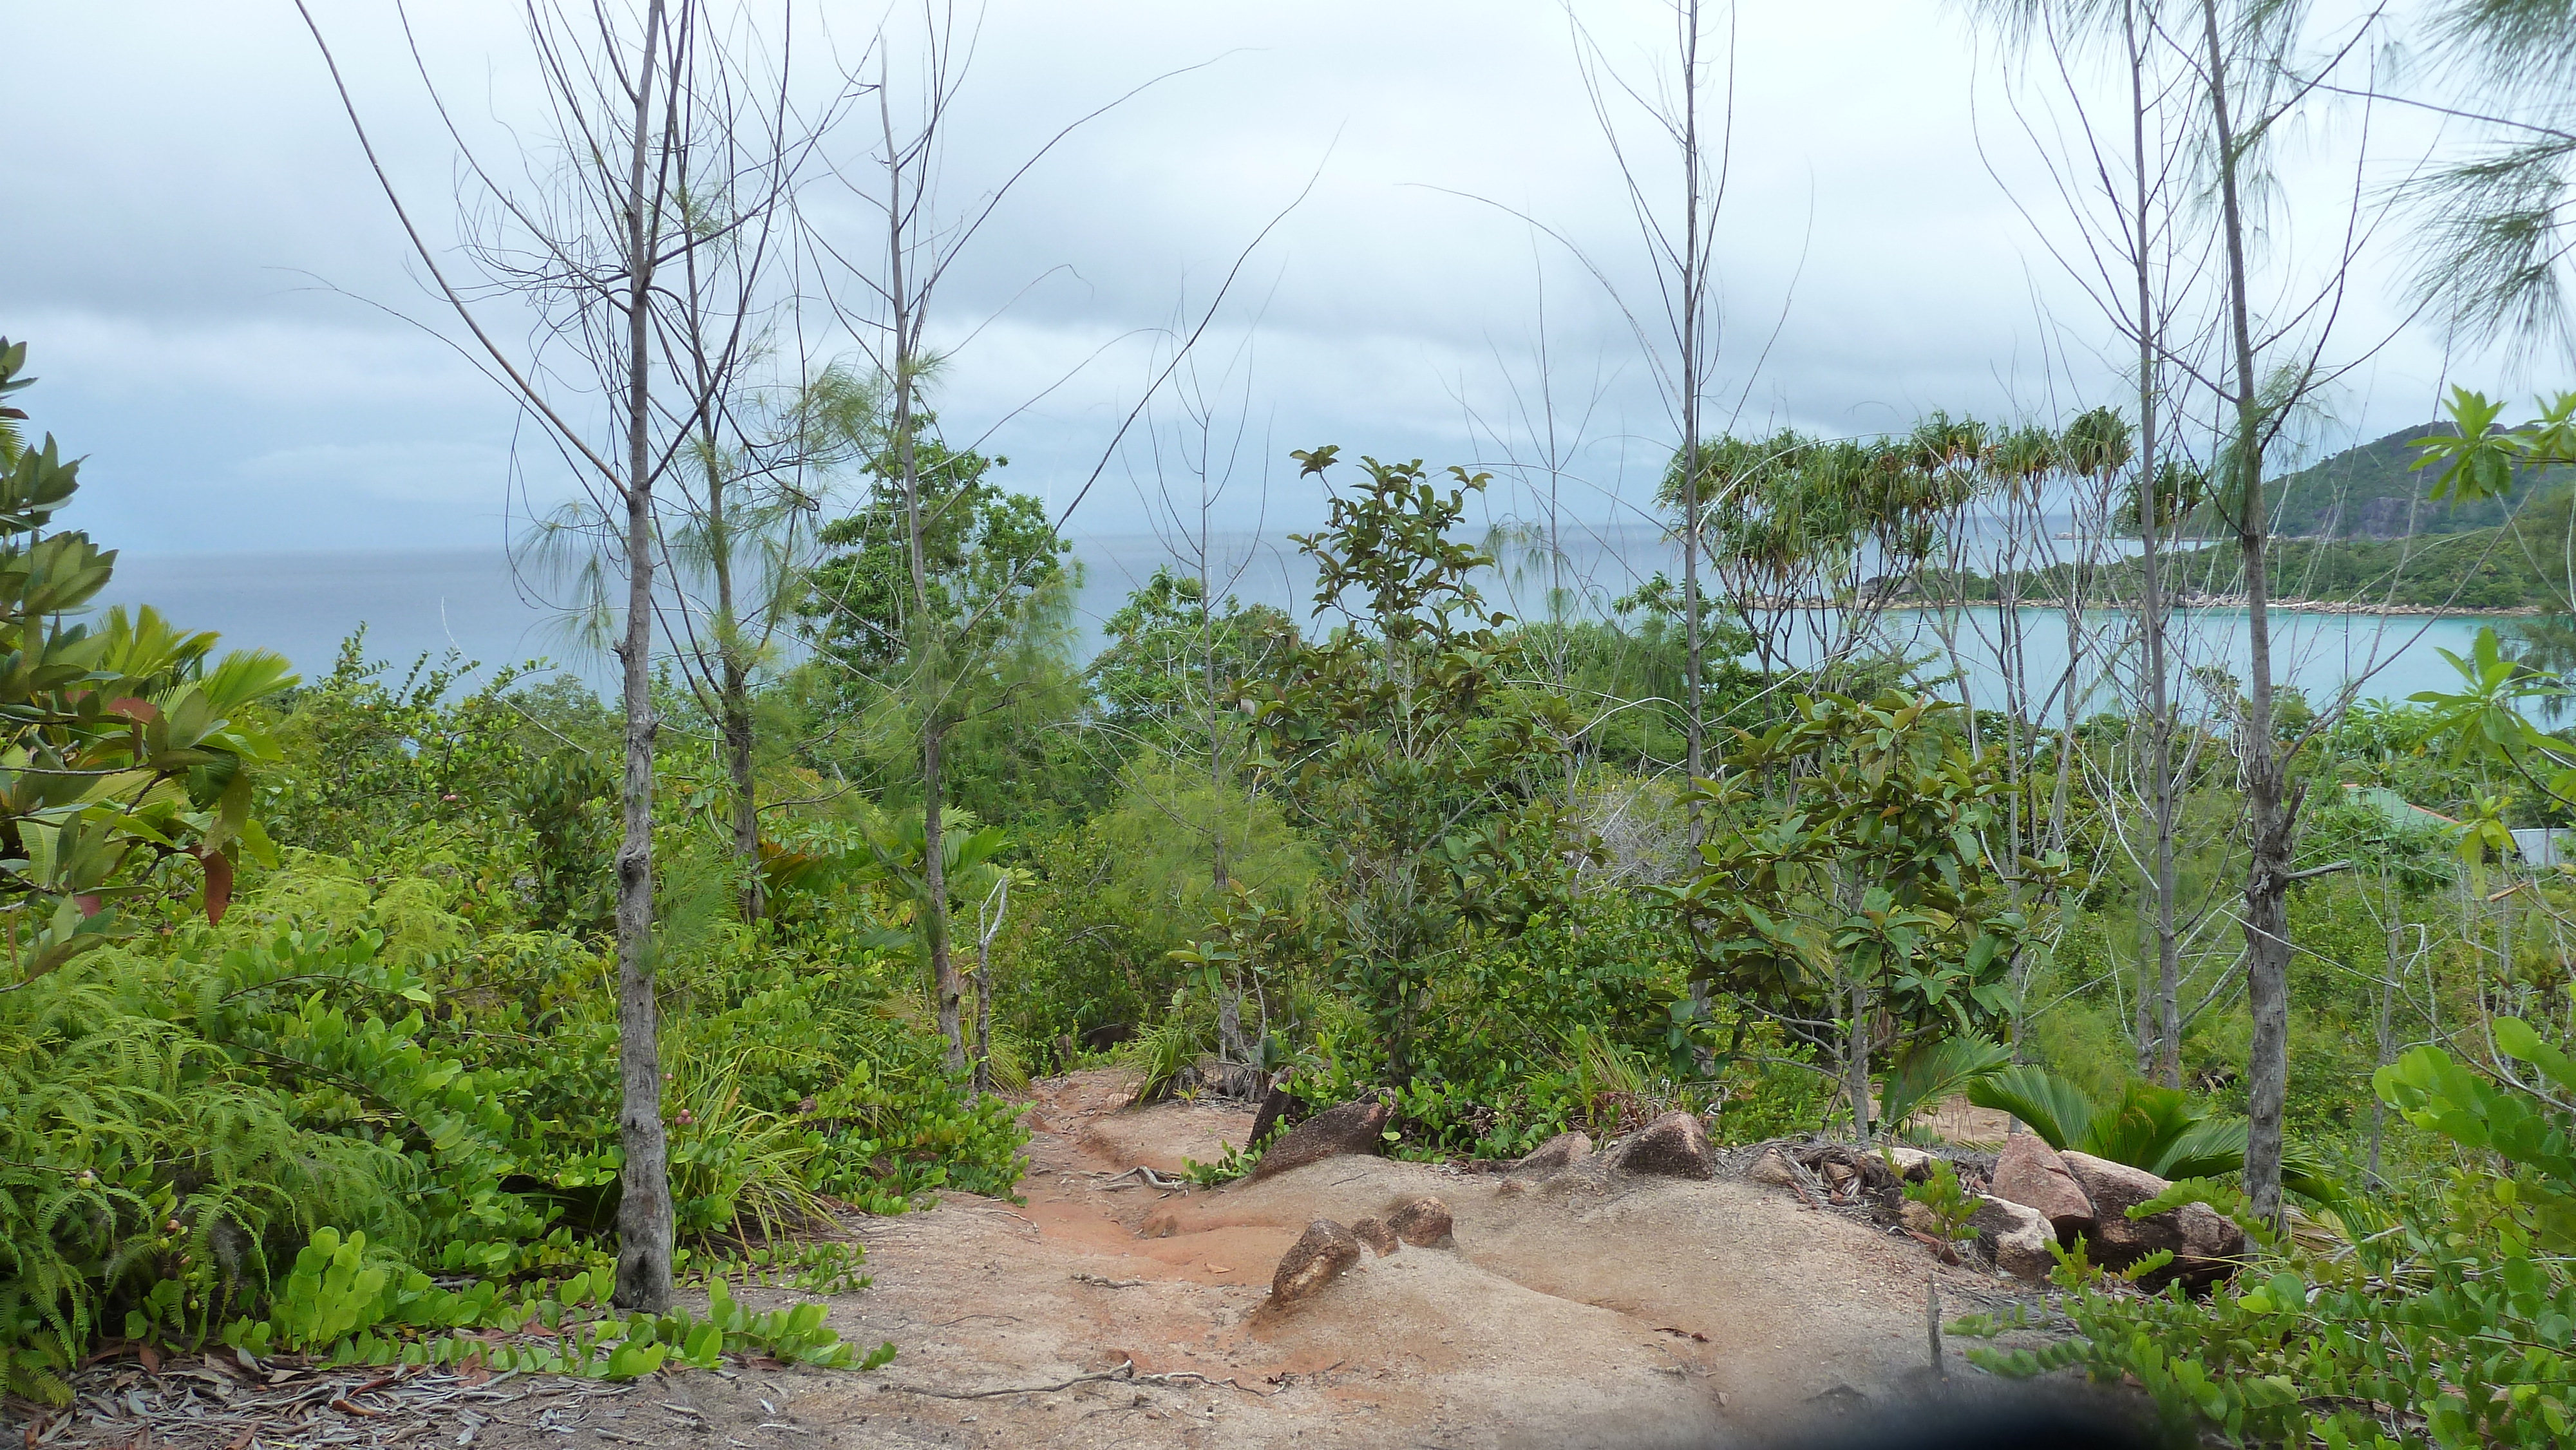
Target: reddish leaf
219,884
151,1358
88,903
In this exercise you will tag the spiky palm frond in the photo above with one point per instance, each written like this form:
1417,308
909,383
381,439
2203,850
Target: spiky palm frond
2055,1109
1928,1076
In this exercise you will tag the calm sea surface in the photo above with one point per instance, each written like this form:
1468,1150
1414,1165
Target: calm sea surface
410,602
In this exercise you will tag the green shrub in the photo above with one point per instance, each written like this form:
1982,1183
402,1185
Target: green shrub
2443,1317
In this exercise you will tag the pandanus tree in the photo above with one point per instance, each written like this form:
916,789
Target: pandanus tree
1812,540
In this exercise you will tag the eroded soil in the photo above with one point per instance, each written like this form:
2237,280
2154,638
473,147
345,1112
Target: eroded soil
1575,1310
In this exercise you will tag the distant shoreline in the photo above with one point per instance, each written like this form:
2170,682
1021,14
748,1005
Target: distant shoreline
2199,601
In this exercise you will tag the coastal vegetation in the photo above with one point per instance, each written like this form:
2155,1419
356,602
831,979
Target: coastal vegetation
414,1011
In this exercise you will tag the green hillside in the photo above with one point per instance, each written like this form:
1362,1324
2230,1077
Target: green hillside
2372,490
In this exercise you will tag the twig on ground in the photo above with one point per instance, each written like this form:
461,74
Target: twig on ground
1126,1371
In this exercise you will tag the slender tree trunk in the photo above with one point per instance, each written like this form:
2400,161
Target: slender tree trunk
644,1226
983,1013
2143,1019
733,696
934,903
1693,303
929,657
1230,1046
2271,804
2151,597
2384,1039
751,894
1856,1060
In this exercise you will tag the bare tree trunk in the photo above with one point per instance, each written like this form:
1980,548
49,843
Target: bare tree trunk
644,1226
934,903
1230,1046
2384,1040
1856,1060
1693,303
750,895
929,659
733,695
2143,1029
983,1013
679,98
2151,600
2272,805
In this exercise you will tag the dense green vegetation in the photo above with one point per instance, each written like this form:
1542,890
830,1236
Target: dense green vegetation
312,997
416,1012
312,1020
2373,490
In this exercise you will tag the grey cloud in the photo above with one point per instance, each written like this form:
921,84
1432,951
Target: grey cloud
189,173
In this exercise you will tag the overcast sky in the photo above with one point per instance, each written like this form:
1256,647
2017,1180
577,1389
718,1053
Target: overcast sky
220,307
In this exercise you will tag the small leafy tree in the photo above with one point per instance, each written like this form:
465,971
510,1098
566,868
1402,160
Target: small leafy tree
1395,735
936,586
985,550
1862,910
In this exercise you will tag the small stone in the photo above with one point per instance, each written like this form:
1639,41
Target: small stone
1350,1128
1423,1223
1672,1146
1773,1168
1920,1218
1276,1104
2031,1172
1373,1232
2016,1236
1562,1151
1323,1254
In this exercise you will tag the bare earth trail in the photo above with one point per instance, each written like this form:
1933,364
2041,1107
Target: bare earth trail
1572,1311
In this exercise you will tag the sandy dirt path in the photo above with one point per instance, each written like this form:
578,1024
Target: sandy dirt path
1579,1309
1573,1311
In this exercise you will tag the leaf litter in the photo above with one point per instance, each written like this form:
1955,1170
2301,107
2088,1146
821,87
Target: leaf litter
230,1401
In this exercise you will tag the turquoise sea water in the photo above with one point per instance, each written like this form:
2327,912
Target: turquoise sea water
304,604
